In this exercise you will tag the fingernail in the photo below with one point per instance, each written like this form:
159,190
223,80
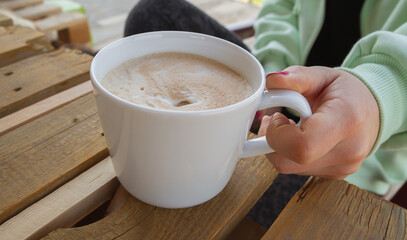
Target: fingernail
277,73
258,115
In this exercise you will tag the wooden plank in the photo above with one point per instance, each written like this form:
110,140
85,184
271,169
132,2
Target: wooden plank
42,107
243,29
227,11
26,137
60,21
40,156
65,206
14,35
18,43
38,11
16,4
36,78
5,21
214,219
78,33
329,209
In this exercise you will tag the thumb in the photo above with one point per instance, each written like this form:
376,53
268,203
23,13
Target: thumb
278,119
285,137
275,123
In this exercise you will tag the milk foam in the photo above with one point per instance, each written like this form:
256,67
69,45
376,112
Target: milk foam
177,81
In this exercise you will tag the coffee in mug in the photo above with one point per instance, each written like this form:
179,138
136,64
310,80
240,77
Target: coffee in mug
177,81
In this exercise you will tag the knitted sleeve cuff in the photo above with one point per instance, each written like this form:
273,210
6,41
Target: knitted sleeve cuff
386,84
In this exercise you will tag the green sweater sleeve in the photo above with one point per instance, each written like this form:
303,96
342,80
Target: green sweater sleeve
276,35
284,34
379,60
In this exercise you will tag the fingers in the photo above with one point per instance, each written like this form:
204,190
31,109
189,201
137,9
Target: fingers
305,80
307,143
320,168
303,146
265,122
263,126
332,172
330,165
334,141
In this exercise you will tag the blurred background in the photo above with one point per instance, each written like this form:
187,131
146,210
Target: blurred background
106,18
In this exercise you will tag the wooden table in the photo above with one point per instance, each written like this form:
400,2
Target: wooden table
55,169
47,17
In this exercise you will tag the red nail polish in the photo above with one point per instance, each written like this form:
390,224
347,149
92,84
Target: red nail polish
279,73
258,115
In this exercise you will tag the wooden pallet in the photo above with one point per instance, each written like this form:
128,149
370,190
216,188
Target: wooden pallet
71,27
54,160
5,21
18,4
55,170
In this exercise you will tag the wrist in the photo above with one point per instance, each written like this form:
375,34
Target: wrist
382,81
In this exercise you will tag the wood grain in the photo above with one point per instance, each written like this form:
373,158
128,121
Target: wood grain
36,78
18,43
16,4
78,33
60,21
36,110
45,153
329,209
5,20
38,11
65,206
214,219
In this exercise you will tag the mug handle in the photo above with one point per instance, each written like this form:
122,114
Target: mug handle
276,98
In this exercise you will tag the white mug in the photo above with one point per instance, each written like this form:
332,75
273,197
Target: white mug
177,159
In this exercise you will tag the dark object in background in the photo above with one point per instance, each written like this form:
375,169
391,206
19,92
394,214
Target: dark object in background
401,196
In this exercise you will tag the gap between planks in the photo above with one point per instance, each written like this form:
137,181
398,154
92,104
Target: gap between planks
32,112
65,206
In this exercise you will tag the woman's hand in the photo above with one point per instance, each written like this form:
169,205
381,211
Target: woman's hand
335,140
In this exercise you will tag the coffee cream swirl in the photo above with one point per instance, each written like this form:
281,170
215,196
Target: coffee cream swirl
177,81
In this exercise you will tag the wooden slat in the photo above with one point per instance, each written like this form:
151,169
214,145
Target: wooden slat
78,33
214,219
5,21
16,35
243,29
65,206
60,21
18,43
42,107
16,4
36,78
327,209
38,11
45,153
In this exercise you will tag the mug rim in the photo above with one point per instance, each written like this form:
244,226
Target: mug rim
162,34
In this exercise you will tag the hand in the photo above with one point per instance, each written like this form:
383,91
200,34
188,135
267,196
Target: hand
335,140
